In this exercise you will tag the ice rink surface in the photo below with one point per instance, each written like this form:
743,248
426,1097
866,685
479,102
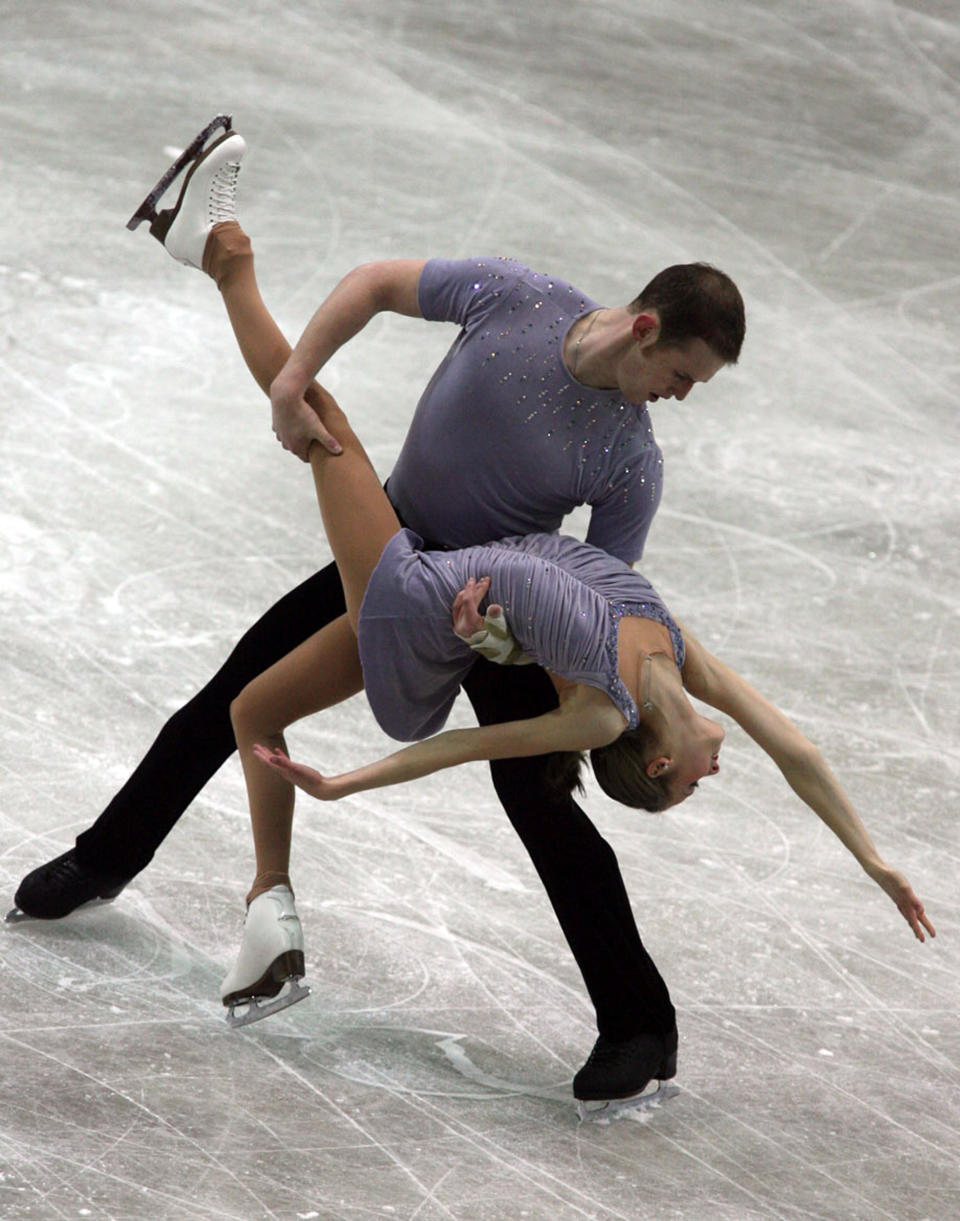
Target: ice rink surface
809,535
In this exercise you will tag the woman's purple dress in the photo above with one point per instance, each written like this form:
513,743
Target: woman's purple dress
563,600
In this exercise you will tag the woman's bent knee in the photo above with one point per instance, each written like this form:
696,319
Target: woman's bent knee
250,716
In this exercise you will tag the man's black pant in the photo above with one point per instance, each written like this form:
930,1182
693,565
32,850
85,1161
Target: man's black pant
576,865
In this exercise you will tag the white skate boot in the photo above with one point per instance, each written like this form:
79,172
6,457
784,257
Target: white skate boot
207,197
266,976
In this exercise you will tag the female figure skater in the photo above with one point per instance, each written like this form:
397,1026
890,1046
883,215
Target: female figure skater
623,670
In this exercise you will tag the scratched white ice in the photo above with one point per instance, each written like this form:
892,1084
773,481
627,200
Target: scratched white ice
808,534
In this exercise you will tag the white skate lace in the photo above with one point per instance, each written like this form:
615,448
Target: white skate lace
222,195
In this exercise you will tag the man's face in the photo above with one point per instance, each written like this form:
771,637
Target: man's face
651,371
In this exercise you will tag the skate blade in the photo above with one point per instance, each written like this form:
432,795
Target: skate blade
256,1008
16,916
148,209
618,1108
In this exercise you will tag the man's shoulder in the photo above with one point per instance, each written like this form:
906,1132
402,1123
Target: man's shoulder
456,290
492,271
477,267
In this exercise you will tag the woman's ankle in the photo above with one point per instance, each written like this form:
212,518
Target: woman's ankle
266,881
228,249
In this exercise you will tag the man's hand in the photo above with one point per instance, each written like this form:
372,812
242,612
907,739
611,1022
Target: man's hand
467,619
298,416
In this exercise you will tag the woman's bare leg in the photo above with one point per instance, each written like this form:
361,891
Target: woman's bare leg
358,518
323,671
357,515
228,260
359,521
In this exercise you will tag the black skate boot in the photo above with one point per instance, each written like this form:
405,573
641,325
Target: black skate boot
618,1073
62,885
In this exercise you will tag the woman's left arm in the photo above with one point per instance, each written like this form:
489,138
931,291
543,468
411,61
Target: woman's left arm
586,718
805,769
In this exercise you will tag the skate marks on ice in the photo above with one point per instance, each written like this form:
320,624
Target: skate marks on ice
123,949
474,860
388,1086
383,1079
99,992
639,1107
403,1061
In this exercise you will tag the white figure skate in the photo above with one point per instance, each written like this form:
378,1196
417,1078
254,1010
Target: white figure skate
207,197
266,976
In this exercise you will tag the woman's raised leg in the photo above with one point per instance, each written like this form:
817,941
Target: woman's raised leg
358,518
228,260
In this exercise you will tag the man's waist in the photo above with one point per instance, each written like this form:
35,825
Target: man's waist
429,544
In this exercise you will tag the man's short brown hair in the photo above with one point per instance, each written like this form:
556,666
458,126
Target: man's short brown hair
696,301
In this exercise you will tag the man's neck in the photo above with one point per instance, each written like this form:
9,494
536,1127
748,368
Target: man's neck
595,345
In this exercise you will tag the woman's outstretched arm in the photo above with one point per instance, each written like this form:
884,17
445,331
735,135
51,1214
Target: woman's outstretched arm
805,769
586,718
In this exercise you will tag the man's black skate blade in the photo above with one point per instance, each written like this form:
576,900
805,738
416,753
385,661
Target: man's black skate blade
640,1105
17,915
148,209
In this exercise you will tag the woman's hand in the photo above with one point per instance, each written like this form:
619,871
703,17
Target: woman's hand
900,891
467,619
324,788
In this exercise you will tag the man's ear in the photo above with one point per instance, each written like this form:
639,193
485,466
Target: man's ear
646,328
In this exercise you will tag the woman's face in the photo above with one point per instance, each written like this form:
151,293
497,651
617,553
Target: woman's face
696,758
